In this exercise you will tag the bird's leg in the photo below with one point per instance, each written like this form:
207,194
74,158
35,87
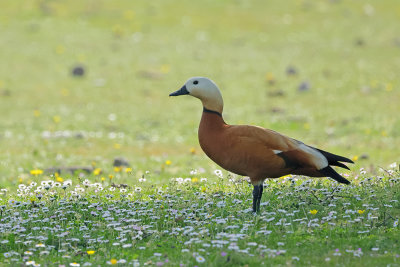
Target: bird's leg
260,195
257,193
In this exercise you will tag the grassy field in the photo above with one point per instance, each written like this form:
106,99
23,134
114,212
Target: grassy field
324,72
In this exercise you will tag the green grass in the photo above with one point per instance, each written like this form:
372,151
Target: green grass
136,53
205,223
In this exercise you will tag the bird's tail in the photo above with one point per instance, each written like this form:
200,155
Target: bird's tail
329,172
334,160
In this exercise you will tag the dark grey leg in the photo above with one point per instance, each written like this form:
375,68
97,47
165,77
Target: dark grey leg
257,194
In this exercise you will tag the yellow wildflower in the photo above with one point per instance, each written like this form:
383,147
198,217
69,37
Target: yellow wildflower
90,252
127,170
195,180
165,68
389,87
20,180
103,179
361,211
117,169
110,176
193,150
203,189
36,172
56,119
269,77
97,171
113,261
168,162
117,146
59,179
64,92
128,14
118,30
355,158
313,212
60,49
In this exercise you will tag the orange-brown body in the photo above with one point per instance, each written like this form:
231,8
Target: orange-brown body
249,150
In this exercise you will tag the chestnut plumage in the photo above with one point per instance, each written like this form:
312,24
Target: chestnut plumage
254,151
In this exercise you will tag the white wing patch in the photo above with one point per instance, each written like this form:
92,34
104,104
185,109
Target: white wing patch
276,151
319,160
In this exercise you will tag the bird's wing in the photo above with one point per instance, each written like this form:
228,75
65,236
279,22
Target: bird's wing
292,151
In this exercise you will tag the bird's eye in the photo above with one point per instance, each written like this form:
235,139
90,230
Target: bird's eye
195,82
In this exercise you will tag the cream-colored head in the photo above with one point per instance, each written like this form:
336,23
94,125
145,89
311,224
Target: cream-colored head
205,90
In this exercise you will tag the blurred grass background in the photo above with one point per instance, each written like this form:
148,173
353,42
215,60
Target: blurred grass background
324,72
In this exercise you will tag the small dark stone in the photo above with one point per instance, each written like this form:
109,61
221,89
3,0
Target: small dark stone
276,93
291,71
364,156
118,162
304,86
79,135
5,92
360,42
78,70
277,110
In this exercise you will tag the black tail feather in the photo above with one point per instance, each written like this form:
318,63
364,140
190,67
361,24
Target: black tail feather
329,172
339,164
334,158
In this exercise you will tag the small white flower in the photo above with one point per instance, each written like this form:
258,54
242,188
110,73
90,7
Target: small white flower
218,173
138,189
22,186
200,259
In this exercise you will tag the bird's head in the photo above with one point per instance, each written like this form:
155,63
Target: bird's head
205,90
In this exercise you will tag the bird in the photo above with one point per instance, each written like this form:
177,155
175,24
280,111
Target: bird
253,151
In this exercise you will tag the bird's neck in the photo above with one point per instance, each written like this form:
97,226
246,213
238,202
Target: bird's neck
213,103
212,111
211,120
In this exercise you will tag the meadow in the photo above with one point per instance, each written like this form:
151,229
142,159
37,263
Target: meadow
83,83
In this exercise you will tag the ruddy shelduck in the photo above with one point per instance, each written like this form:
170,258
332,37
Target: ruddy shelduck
254,151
